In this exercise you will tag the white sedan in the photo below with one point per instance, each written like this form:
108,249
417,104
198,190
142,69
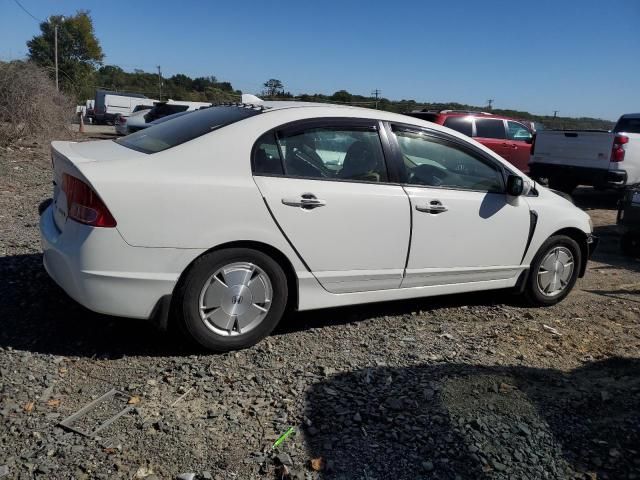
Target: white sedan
225,218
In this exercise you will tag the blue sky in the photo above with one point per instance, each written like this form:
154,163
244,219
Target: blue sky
577,57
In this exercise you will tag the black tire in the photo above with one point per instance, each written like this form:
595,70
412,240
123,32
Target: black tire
532,291
630,244
563,185
188,298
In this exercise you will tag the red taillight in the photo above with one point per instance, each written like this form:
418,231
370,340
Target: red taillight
617,152
84,205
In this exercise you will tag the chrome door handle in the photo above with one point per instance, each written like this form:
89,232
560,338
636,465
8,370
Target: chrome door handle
435,206
308,201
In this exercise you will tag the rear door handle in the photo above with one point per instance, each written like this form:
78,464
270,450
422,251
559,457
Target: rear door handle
308,201
435,206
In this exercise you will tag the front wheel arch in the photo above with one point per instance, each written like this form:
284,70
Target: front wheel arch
581,239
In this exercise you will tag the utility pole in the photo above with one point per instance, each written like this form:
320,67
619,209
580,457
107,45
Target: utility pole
490,103
376,92
555,114
55,49
159,84
55,46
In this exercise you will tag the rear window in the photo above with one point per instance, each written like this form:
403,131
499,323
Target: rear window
164,110
628,125
490,128
461,124
184,128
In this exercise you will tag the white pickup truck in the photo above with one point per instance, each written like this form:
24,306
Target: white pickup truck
568,158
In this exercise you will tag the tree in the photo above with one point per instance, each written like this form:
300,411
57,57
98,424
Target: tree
273,87
79,51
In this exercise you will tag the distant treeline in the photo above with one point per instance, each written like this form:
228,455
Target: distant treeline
177,87
210,89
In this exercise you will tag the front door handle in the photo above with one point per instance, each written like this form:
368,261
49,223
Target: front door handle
434,206
308,201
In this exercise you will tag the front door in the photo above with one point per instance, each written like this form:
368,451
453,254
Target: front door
465,228
327,188
519,137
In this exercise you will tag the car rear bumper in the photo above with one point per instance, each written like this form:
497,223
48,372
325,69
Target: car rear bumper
99,270
596,177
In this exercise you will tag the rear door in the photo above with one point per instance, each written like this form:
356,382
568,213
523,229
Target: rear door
519,138
491,133
327,186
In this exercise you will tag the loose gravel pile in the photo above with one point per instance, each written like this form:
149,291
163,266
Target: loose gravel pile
459,387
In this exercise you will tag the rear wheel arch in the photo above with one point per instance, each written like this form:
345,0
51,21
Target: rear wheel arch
271,251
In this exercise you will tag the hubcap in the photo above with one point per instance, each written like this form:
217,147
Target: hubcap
555,271
235,299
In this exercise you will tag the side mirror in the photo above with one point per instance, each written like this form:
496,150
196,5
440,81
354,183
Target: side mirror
515,185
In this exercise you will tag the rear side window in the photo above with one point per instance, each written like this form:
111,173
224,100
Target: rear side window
341,153
461,124
490,128
184,128
628,125
164,110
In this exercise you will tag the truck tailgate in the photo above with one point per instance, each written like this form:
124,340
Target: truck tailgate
573,148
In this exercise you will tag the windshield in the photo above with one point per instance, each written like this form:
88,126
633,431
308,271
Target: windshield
184,128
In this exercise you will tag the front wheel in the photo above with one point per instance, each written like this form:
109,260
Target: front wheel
232,298
554,271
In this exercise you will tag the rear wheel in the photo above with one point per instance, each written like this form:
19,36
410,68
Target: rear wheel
554,271
232,298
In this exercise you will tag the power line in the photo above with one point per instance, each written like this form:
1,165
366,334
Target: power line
27,11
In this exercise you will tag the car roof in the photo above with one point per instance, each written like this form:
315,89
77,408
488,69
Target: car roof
631,115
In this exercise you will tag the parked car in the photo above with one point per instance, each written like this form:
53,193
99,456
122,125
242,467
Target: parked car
138,121
121,120
508,137
229,215
108,105
629,220
568,158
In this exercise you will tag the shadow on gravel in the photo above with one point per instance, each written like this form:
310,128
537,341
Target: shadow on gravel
36,315
468,422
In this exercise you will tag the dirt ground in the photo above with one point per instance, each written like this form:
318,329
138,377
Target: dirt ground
459,387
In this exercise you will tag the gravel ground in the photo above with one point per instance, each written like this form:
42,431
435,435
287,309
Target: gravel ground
459,387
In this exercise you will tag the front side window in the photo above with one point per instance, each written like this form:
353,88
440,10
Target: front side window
461,124
518,132
490,128
341,153
432,162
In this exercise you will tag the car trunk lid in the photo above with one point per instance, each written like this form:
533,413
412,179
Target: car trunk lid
71,158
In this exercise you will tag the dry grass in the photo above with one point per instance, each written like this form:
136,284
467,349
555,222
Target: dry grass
30,107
